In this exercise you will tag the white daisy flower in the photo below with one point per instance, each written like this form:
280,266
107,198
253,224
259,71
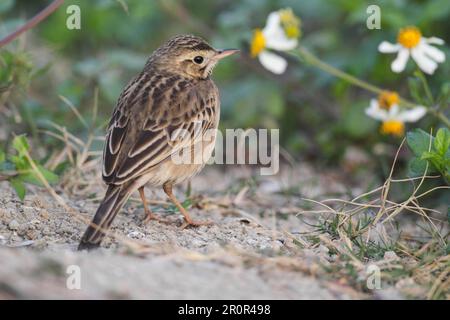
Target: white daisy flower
411,43
387,110
281,33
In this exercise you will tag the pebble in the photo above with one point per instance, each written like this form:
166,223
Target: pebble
47,232
13,225
136,235
390,255
28,211
43,214
198,243
5,215
31,234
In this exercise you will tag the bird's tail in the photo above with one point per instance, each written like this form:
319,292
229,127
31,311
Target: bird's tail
114,200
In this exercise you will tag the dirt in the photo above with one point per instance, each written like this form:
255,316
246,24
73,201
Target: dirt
250,252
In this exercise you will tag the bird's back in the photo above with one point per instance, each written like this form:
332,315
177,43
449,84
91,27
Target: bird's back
149,110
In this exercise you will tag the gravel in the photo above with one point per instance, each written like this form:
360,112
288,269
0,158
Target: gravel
246,254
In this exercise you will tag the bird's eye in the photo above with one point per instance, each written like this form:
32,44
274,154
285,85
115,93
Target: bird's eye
198,59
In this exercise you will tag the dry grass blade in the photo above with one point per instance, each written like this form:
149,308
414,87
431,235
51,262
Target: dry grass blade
360,231
323,205
387,184
440,285
131,243
75,110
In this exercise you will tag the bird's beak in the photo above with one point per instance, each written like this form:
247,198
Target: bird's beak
225,53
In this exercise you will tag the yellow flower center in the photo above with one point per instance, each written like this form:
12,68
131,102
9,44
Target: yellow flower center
290,23
258,43
394,127
409,37
387,99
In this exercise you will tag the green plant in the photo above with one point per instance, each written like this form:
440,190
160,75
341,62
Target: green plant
15,70
430,151
16,167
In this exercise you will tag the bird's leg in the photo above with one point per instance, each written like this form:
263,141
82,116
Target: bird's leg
188,221
149,214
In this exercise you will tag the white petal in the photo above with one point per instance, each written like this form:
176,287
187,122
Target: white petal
394,110
275,35
281,43
412,115
398,65
273,23
272,62
374,104
434,40
425,64
434,53
387,47
375,112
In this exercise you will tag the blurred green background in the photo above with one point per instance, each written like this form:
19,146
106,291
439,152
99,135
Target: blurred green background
322,119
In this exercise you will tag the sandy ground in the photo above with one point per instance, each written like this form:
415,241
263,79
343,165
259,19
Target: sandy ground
249,253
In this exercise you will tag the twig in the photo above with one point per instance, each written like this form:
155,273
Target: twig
31,23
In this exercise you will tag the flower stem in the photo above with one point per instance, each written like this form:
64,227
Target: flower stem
440,116
313,60
310,58
426,88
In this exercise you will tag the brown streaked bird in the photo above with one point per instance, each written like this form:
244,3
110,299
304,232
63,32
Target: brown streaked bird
173,93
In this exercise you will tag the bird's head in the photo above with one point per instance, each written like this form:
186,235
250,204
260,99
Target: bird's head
189,56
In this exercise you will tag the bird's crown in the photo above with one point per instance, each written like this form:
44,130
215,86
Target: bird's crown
188,56
189,42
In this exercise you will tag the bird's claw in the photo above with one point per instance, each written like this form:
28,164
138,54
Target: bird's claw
151,216
193,223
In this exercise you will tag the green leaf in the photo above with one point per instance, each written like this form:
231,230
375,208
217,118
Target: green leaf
32,177
50,176
418,141
442,141
20,163
19,187
2,156
187,203
436,161
417,167
430,156
20,143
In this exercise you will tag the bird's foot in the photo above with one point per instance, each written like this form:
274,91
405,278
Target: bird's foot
193,223
151,216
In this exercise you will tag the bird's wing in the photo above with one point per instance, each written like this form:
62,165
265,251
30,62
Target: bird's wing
156,117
